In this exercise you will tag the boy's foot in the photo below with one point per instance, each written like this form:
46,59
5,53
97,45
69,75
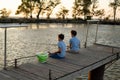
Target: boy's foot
49,53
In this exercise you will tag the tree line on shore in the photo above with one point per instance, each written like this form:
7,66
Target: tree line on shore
34,20
86,8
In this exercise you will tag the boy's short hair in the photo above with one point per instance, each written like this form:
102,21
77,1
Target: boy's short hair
73,32
61,36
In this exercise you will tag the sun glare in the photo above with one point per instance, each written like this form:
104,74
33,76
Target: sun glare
104,4
10,5
67,3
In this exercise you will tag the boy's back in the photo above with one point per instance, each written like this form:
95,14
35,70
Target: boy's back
75,44
62,46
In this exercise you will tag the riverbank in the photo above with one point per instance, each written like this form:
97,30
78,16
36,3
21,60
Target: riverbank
79,21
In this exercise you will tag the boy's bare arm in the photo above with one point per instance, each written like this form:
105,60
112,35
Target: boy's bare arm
59,50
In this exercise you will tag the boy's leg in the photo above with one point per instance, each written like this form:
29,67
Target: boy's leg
72,51
55,56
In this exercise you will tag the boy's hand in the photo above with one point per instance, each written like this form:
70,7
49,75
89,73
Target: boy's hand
68,47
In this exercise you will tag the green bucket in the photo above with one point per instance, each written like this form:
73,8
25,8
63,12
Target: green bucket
42,57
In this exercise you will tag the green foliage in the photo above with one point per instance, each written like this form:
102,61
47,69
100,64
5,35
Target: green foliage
87,8
46,7
62,13
115,5
26,8
50,7
95,11
4,13
77,9
81,7
86,5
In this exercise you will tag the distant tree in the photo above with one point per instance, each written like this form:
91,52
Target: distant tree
86,7
83,7
45,6
115,5
4,13
100,13
62,13
50,7
107,17
77,9
95,11
26,8
40,4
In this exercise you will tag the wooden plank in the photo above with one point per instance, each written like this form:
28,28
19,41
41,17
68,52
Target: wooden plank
51,67
64,69
85,57
5,77
14,75
27,74
84,70
79,60
43,73
110,46
55,71
13,26
100,48
63,63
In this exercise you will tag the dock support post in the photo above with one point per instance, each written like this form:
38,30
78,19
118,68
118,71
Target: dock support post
15,63
5,48
85,45
96,32
50,77
97,74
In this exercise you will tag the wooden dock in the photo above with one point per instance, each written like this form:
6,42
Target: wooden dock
64,69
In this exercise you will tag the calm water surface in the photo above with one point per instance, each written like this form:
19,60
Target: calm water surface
27,41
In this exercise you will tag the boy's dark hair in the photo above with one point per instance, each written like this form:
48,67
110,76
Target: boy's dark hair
73,32
61,36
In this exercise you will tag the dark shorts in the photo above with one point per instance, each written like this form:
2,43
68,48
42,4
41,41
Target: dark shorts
72,51
56,56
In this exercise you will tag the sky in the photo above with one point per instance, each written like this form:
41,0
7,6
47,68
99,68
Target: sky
13,5
10,5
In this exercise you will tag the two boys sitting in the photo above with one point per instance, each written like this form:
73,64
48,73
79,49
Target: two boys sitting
74,46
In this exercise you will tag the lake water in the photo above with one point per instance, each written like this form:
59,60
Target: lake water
27,41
